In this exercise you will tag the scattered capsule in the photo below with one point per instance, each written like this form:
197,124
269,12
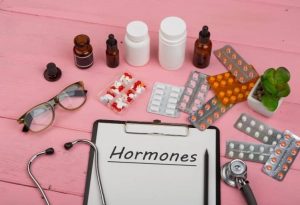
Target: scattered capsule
298,144
241,79
223,109
274,143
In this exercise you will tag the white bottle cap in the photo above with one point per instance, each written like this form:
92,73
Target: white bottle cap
173,28
137,31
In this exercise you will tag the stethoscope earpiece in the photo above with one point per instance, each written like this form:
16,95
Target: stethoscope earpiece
67,146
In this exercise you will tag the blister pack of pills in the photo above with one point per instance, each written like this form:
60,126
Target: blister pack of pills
257,129
208,114
248,151
164,99
194,94
283,156
236,64
122,92
228,90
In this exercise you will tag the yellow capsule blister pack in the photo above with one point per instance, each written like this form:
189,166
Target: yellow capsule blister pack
228,89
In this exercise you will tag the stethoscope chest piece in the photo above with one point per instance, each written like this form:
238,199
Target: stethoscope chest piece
233,170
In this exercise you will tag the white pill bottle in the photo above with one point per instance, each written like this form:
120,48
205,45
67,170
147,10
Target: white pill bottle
172,43
137,43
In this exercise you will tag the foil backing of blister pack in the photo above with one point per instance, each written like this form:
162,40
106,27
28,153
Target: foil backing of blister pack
283,156
236,64
257,129
194,94
164,99
208,113
248,151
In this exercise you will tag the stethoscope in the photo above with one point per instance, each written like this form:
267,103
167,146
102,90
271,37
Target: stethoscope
68,145
234,174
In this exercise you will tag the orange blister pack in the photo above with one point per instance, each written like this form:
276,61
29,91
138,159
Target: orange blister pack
228,89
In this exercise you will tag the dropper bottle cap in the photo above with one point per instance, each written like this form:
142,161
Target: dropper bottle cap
111,41
204,35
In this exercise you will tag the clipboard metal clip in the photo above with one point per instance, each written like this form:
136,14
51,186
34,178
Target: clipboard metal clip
156,128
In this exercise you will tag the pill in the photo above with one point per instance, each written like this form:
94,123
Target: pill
261,157
231,145
239,125
283,144
230,154
216,115
252,123
209,120
175,89
269,167
221,94
154,108
172,100
244,87
170,112
261,149
228,50
216,85
157,97
261,127
244,118
278,136
202,126
159,92
289,159
160,86
271,149
251,156
280,175
207,107
230,81
287,137
192,84
266,138
155,102
223,83
226,75
273,160
233,56
270,132
195,76
193,118
225,100
245,68
256,134
294,152
219,77
211,79
274,143
240,96
171,106
229,67
251,148
248,129
278,151
241,155
242,146
200,113
174,95
236,90
229,93
285,167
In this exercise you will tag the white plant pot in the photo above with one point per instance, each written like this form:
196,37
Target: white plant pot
257,105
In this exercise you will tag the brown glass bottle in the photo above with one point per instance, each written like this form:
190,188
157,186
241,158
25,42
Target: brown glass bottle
83,52
202,50
112,52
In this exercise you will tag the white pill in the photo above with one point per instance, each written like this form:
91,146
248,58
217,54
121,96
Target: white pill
172,100
175,89
231,145
248,129
266,138
170,112
161,86
158,92
241,155
261,149
154,108
261,127
274,143
242,146
239,125
252,123
171,106
174,95
251,147
157,97
270,132
244,118
251,156
278,136
230,154
156,102
271,149
261,158
256,134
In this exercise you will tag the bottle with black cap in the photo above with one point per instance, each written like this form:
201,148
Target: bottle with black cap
112,52
52,73
202,50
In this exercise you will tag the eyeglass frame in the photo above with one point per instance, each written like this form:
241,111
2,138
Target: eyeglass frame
52,102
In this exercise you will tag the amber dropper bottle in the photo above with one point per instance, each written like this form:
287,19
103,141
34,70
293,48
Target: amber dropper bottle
202,50
83,52
112,52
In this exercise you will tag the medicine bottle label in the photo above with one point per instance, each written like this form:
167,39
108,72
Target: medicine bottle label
84,62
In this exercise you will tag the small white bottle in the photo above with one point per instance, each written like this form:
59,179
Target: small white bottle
172,43
137,44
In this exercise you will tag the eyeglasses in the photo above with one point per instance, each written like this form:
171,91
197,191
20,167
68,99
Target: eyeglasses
42,116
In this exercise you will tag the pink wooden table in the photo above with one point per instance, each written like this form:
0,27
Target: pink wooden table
34,32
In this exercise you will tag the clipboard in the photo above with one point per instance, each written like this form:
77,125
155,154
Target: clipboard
161,179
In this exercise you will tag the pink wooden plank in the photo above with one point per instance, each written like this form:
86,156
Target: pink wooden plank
25,68
244,22
12,194
65,171
286,3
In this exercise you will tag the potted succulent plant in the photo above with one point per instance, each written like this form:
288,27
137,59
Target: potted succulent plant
269,91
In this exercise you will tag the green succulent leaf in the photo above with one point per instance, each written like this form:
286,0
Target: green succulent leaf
283,90
268,87
270,102
282,75
269,76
